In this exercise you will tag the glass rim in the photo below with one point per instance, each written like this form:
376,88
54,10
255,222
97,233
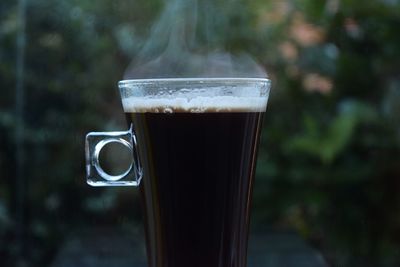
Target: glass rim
128,82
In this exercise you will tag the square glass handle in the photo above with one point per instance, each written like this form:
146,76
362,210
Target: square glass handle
95,174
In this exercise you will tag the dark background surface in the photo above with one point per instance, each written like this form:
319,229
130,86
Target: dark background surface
329,162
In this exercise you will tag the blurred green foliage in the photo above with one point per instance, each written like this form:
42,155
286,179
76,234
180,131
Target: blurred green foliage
329,162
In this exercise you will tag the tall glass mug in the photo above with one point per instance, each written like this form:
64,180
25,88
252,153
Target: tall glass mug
194,144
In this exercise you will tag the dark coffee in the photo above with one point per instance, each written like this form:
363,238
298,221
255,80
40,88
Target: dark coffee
196,189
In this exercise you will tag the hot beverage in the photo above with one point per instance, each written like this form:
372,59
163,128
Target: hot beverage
194,144
198,170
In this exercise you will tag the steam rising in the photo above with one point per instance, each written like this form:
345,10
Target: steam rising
182,44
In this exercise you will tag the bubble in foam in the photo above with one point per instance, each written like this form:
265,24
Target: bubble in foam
168,110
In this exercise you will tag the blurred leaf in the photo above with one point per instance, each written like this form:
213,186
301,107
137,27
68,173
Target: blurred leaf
327,143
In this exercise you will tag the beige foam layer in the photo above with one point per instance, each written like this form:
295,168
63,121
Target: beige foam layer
195,105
